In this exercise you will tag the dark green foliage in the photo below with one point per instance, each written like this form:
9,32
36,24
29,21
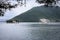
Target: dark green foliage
47,2
5,6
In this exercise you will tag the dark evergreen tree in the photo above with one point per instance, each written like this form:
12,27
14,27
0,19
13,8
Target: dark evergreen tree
47,2
4,5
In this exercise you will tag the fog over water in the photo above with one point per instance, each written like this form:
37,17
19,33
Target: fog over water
29,31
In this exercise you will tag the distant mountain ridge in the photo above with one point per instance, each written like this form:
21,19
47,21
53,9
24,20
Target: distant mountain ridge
37,13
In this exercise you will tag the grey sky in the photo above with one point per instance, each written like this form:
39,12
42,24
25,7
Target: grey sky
19,10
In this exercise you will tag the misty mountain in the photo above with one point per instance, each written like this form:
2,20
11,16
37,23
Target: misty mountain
37,13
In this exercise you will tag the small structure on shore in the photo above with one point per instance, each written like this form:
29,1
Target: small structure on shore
43,20
12,21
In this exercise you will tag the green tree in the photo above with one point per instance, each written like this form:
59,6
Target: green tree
46,2
4,5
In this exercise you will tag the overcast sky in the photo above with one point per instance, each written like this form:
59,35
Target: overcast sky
19,10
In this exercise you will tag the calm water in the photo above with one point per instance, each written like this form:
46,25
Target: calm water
29,31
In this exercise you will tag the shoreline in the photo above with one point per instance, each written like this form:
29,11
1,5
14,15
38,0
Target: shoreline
32,23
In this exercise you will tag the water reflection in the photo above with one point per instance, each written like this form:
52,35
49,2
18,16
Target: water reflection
29,32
